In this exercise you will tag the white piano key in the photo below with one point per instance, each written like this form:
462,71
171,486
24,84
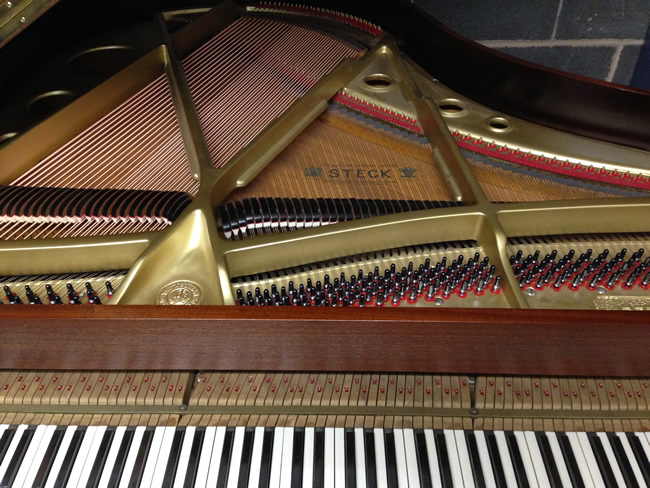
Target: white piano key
256,458
308,459
558,457
536,458
581,461
87,453
506,462
593,473
611,458
287,457
647,436
215,458
454,463
205,458
463,459
484,456
632,459
276,458
360,457
235,457
37,459
411,459
339,457
30,455
400,458
159,436
125,477
380,458
329,459
118,437
432,456
525,458
184,457
60,456
12,449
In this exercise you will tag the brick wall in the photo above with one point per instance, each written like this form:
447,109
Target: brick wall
602,39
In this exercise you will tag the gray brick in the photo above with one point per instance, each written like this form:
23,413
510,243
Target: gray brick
493,19
587,61
626,64
596,19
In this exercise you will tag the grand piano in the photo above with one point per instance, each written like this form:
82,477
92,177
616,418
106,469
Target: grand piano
316,245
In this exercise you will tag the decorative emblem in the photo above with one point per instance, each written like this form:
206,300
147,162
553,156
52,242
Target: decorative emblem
180,293
622,303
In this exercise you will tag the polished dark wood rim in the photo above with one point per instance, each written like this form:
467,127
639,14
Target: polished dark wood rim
549,97
486,341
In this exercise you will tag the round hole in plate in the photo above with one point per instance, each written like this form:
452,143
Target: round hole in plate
379,81
451,107
102,61
6,137
48,103
499,124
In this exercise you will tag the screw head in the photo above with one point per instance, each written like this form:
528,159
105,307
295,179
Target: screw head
438,301
601,290
531,292
473,411
9,4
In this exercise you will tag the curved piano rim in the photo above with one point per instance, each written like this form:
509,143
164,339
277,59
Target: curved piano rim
496,341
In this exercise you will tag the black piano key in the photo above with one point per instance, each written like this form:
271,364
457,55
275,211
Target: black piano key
48,458
371,464
172,461
350,463
100,459
141,458
381,207
517,461
423,459
282,211
275,213
226,455
602,461
475,461
623,462
17,458
315,211
356,208
120,459
549,462
70,456
391,459
267,451
570,460
495,459
195,454
640,455
266,212
246,454
5,440
225,219
319,457
443,459
298,455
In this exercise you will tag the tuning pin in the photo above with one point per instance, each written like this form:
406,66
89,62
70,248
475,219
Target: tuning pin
109,289
32,297
496,287
73,297
54,298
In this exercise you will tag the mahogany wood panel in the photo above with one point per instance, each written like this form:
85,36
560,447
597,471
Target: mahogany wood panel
532,342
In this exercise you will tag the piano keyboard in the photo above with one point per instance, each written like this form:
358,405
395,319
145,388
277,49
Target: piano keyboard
257,456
